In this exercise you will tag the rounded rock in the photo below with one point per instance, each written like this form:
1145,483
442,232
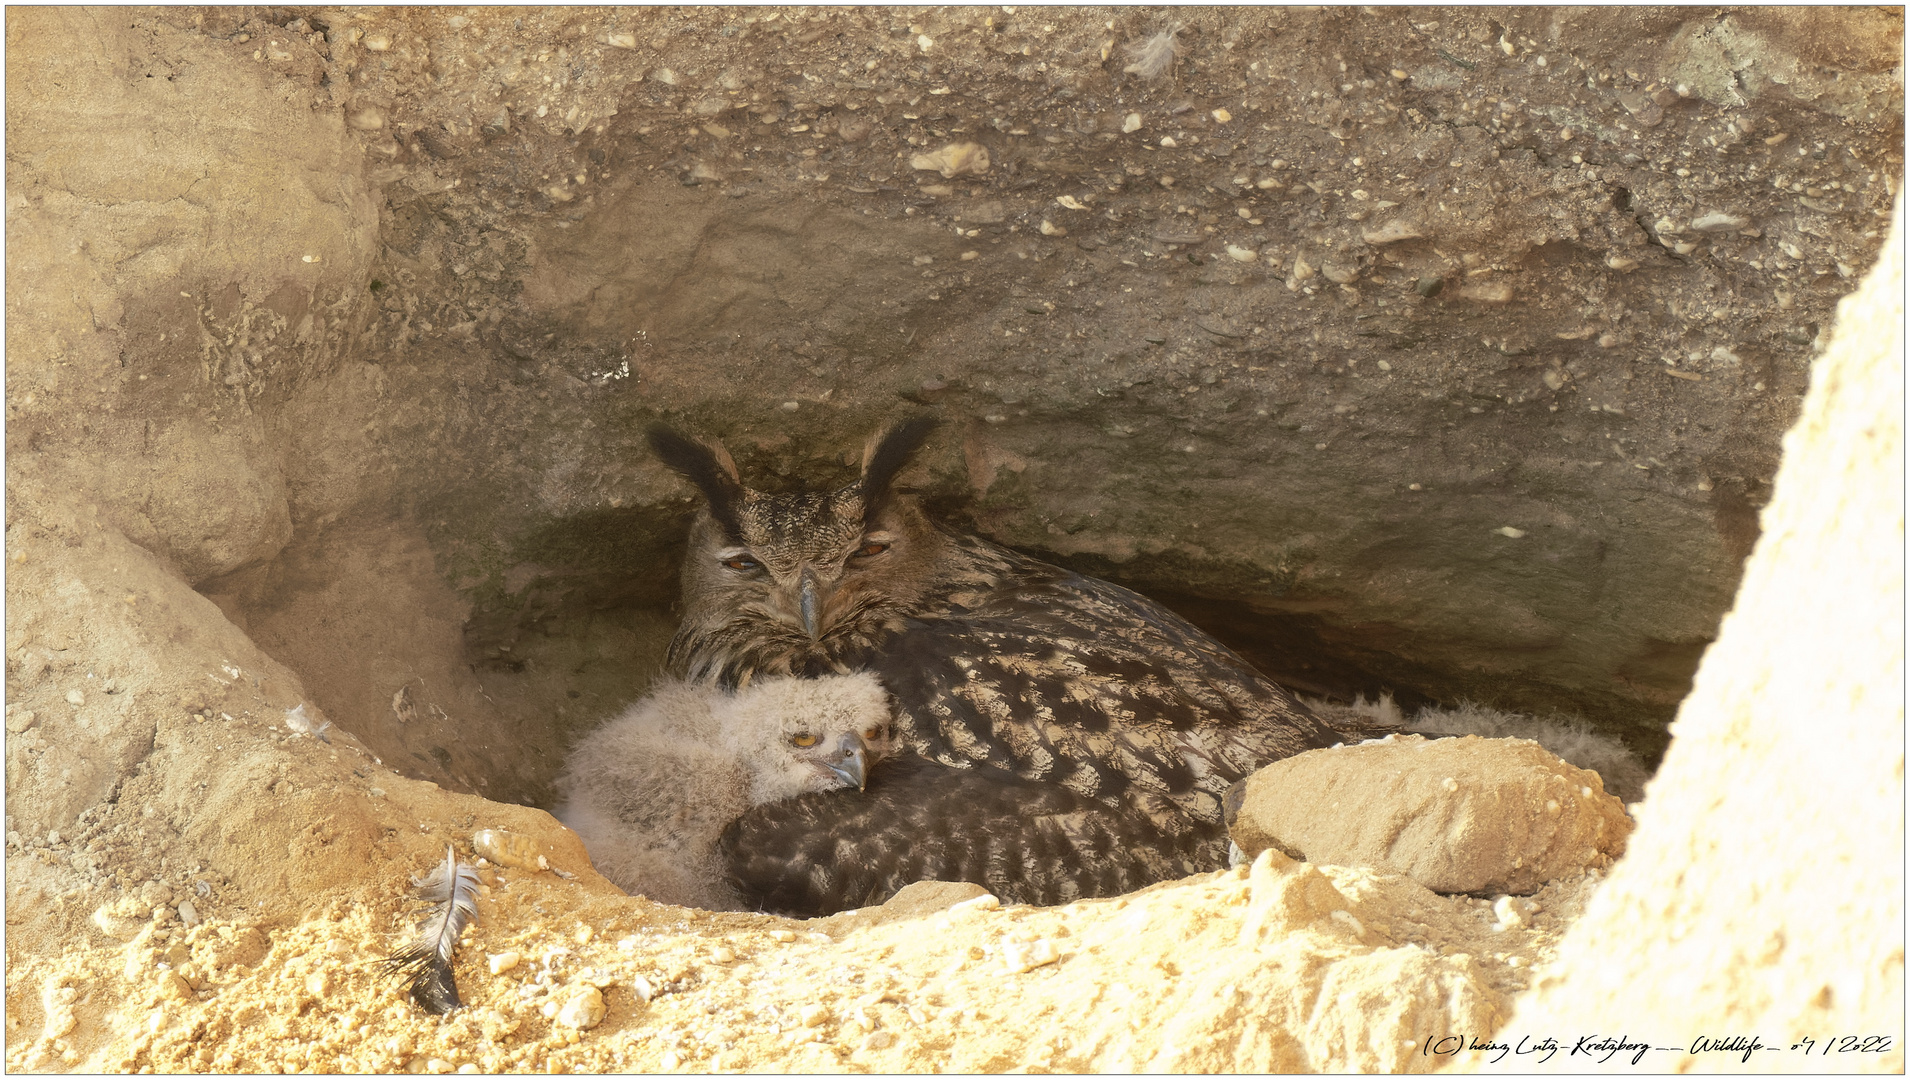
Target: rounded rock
1443,796
584,1008
172,986
506,849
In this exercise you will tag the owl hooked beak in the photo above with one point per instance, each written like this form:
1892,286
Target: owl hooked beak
849,762
809,600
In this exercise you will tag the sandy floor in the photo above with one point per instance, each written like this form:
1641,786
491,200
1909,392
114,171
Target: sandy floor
1270,968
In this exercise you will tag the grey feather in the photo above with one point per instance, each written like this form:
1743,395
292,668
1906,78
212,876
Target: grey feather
450,890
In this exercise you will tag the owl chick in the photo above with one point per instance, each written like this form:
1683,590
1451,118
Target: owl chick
1025,841
651,790
994,659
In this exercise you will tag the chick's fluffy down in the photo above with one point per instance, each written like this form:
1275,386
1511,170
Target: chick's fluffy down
651,790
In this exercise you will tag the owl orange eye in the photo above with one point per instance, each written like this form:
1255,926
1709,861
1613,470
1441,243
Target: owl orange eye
871,548
743,563
803,739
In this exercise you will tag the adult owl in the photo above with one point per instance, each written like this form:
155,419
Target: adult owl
993,659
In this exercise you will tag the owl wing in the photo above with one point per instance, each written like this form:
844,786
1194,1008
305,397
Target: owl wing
1059,677
1026,842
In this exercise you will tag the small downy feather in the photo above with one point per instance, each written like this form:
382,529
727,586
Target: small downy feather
451,891
1155,56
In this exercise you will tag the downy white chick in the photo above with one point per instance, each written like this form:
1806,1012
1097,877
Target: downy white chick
651,790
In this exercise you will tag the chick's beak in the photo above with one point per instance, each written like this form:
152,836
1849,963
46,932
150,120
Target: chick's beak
850,762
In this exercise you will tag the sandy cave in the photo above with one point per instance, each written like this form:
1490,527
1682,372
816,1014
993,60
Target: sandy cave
332,341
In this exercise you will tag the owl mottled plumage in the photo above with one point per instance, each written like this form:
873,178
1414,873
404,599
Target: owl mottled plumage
993,658
1025,841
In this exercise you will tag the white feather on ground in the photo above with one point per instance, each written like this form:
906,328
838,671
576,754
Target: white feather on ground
1572,739
1154,57
650,791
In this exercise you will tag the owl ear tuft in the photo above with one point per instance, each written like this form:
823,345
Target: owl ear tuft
707,465
889,450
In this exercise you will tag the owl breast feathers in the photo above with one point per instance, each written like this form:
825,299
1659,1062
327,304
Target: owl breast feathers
994,660
1025,841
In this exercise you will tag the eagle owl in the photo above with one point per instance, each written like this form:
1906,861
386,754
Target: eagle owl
650,791
993,659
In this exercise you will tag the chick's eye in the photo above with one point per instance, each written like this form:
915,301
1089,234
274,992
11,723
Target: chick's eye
804,739
873,547
741,562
